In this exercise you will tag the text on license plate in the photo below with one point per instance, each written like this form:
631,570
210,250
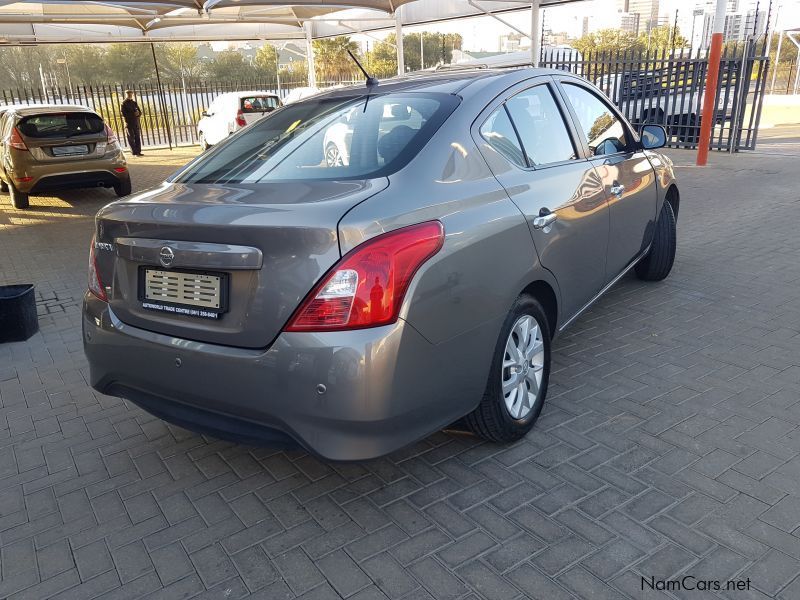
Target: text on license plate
70,150
194,294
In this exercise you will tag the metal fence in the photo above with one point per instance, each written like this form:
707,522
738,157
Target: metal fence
169,113
668,88
665,88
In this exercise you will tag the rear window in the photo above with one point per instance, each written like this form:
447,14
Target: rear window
333,138
60,125
258,104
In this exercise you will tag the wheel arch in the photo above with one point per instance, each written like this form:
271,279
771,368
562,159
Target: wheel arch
546,295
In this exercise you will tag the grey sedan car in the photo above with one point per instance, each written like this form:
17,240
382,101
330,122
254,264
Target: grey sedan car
265,294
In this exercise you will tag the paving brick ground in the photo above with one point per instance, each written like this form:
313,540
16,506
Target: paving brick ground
670,445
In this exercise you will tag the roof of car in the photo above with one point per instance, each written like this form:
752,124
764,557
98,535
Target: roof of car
246,94
449,80
32,109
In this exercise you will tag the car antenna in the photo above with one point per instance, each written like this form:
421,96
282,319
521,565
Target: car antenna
370,79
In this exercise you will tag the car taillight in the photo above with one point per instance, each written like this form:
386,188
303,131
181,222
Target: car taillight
112,137
240,120
16,141
95,284
367,286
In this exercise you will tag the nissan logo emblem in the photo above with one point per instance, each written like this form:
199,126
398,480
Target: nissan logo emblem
166,256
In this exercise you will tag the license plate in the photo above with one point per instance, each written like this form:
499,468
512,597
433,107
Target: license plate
70,150
183,293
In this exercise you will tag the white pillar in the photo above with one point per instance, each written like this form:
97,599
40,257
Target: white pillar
312,75
777,59
398,34
536,41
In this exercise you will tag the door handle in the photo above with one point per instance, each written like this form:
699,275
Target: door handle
544,220
617,189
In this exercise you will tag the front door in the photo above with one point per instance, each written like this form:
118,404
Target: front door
626,174
554,186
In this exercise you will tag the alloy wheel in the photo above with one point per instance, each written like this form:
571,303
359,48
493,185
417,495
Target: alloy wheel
523,367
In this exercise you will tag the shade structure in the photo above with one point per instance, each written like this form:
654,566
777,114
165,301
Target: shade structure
59,21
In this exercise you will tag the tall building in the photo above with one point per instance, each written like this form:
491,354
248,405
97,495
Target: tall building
645,11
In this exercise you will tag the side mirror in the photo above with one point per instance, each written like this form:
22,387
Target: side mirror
653,136
205,114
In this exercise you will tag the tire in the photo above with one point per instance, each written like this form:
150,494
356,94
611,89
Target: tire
688,131
657,263
18,199
493,419
3,187
333,157
123,188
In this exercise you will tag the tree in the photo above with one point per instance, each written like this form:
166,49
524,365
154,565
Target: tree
437,49
266,60
661,39
382,59
86,63
331,60
178,60
607,40
229,65
19,67
129,63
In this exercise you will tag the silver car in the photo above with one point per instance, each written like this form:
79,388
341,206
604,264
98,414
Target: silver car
266,295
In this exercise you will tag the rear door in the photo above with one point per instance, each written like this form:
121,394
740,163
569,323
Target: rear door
63,137
627,176
548,178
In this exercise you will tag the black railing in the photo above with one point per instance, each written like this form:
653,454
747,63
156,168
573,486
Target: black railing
668,88
665,88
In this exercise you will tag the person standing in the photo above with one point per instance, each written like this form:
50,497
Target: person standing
132,115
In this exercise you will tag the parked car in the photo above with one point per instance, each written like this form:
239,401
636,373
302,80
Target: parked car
230,112
47,148
263,295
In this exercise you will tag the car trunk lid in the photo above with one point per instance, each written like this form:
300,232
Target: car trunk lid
254,250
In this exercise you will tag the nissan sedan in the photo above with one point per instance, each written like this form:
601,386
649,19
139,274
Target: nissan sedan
267,294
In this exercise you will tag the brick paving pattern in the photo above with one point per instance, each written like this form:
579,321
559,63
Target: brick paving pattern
670,445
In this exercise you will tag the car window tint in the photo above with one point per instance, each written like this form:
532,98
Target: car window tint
499,133
327,138
70,124
258,104
604,132
545,138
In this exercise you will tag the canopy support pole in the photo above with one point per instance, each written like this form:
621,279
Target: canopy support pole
312,74
161,96
398,35
536,41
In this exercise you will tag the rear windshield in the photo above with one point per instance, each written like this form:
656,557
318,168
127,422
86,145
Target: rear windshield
258,104
69,124
333,138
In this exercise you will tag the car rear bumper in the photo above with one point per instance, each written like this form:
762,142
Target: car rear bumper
383,387
44,177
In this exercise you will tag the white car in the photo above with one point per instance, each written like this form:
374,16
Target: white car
337,138
230,112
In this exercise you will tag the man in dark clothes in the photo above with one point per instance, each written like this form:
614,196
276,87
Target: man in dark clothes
132,114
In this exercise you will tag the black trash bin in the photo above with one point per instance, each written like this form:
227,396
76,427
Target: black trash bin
18,319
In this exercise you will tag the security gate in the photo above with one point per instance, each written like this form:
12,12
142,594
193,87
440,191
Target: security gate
668,89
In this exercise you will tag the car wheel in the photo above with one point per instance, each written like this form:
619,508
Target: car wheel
123,188
18,199
518,376
203,143
3,187
689,130
333,158
657,263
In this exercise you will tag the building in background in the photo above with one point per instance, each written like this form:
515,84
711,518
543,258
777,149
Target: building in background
640,16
